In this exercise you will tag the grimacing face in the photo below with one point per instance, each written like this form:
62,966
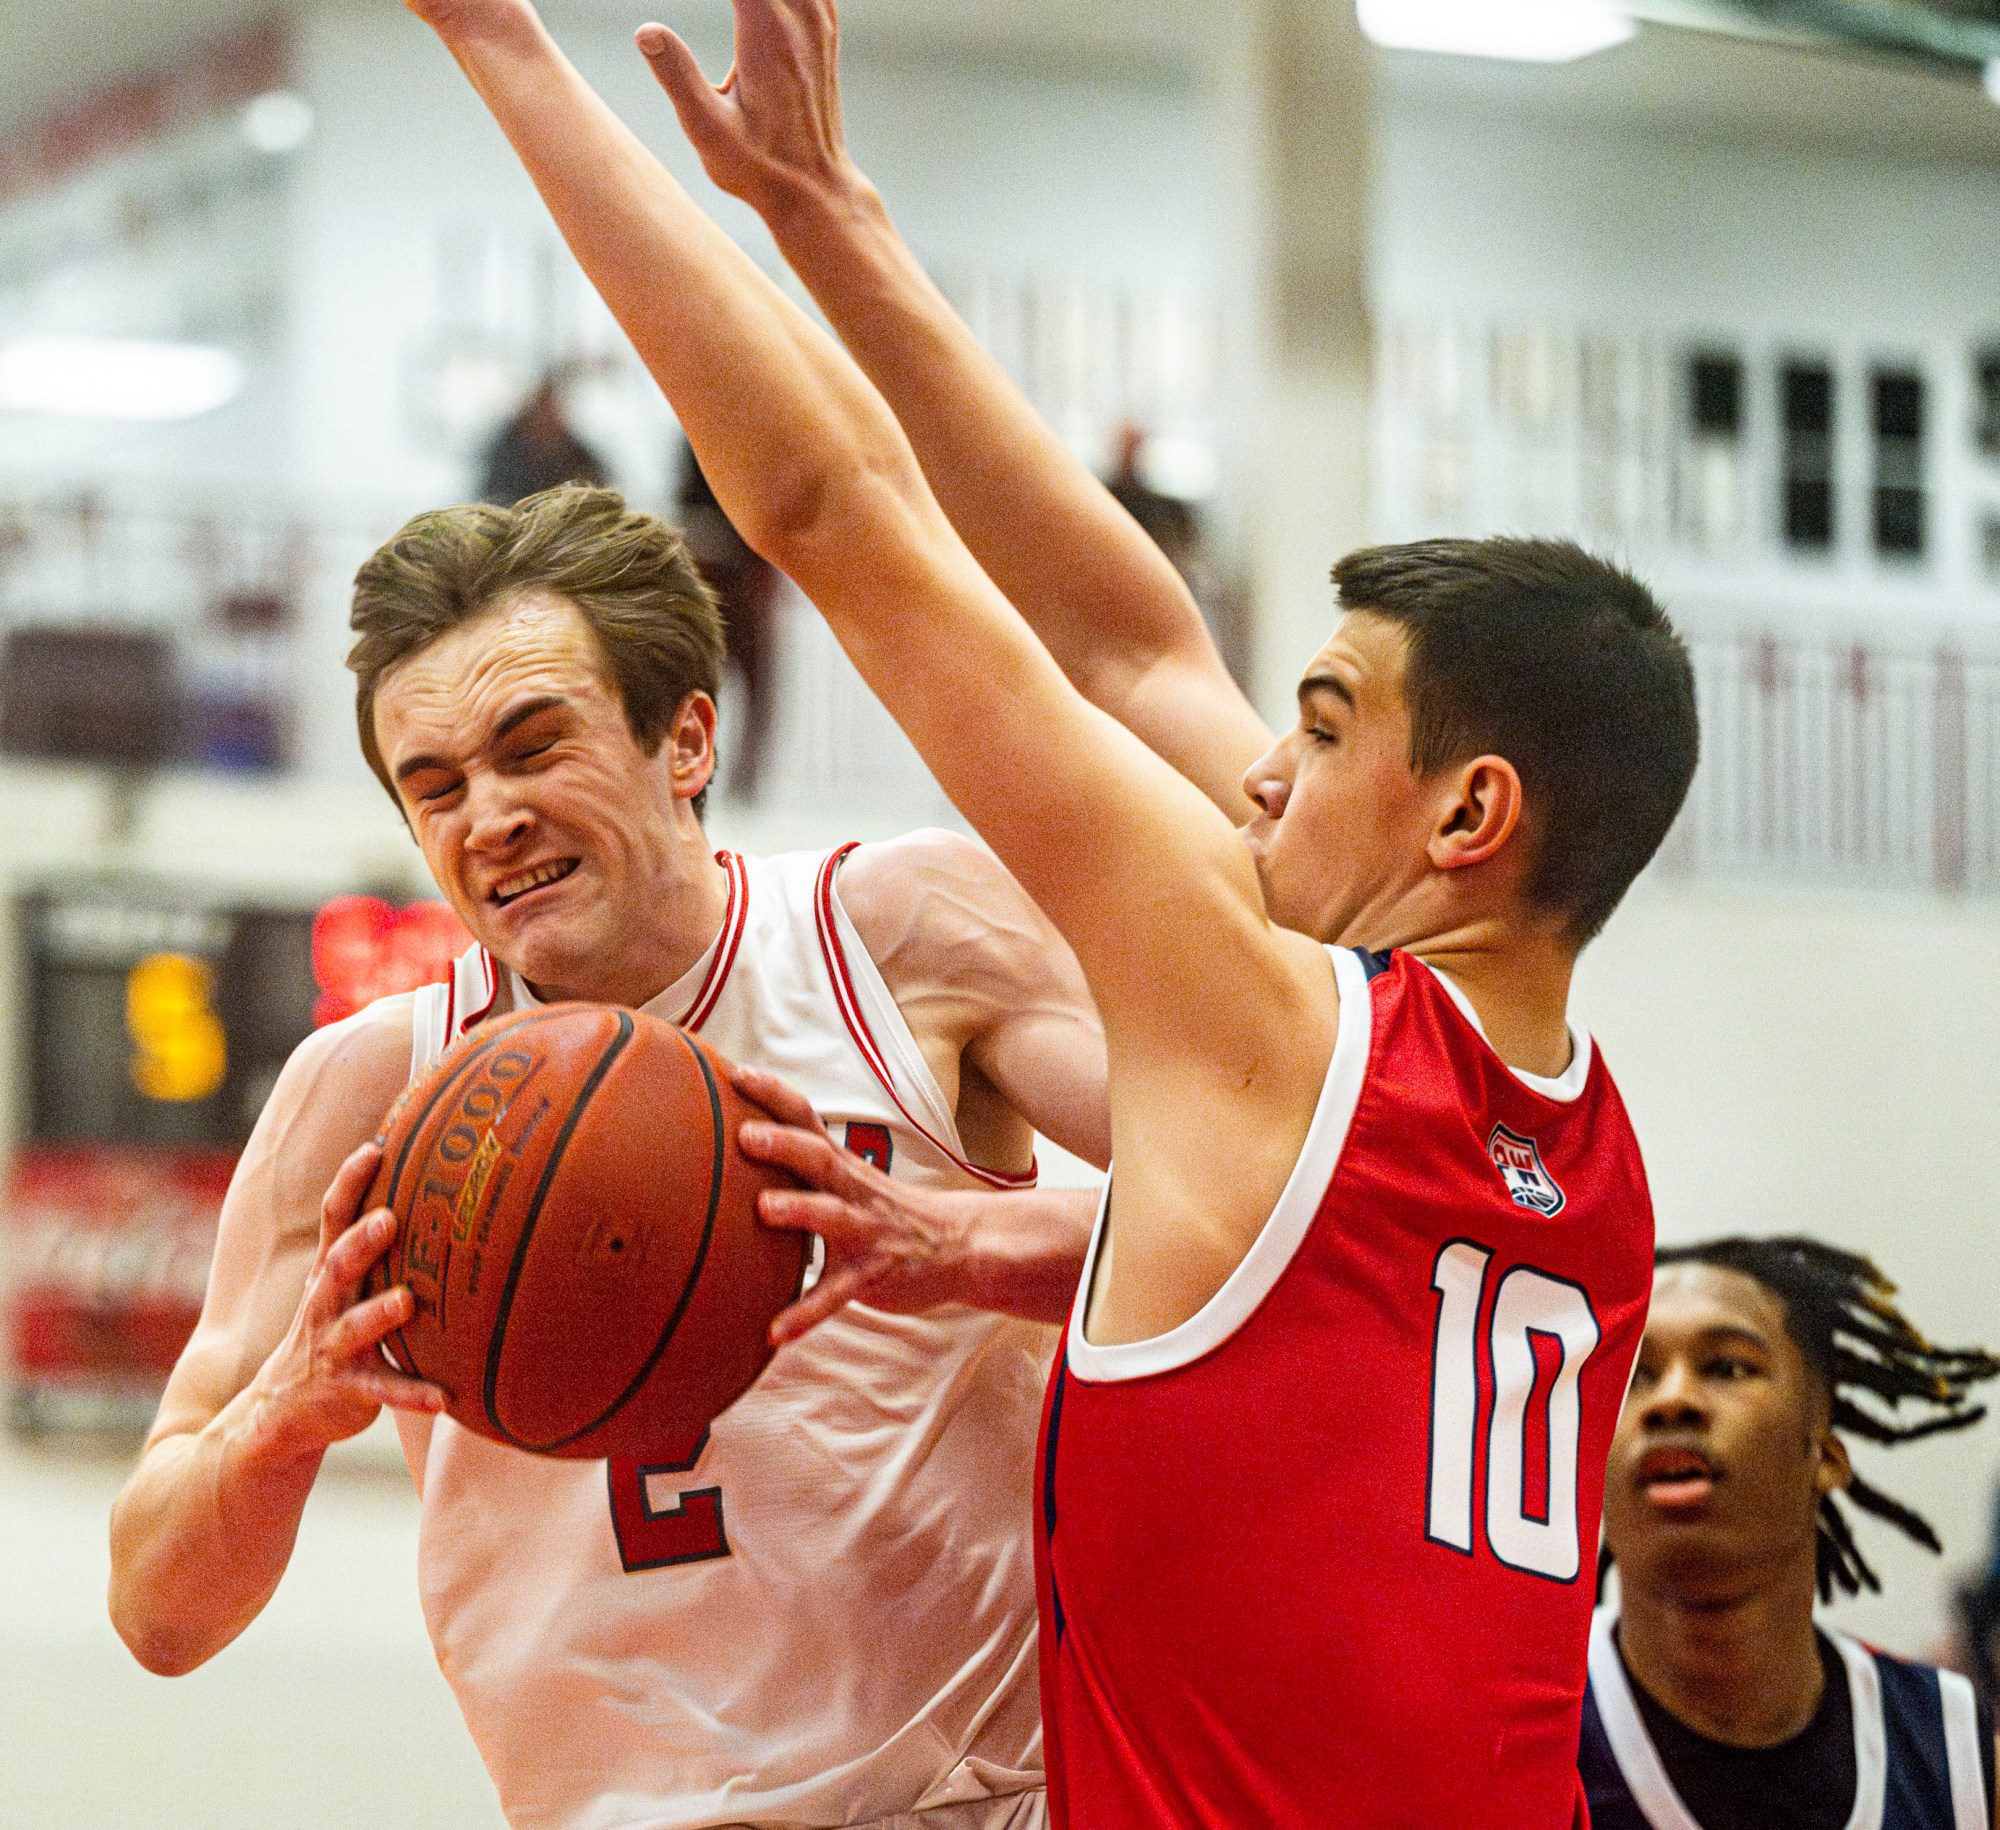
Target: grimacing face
1340,839
1724,1450
550,831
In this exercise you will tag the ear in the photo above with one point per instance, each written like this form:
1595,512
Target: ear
1482,816
1833,1472
690,746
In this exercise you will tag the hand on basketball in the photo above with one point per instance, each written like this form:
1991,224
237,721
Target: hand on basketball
772,130
327,1379
888,1245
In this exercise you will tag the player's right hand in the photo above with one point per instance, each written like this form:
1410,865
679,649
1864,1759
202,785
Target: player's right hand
772,131
327,1379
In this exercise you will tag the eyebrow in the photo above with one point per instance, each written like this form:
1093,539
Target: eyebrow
1326,683
1733,1331
528,708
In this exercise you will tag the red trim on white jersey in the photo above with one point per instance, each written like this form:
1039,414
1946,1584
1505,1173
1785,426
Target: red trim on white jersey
734,919
857,1024
492,971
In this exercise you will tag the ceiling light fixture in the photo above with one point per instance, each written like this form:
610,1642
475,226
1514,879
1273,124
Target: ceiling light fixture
278,121
1993,78
1520,31
116,378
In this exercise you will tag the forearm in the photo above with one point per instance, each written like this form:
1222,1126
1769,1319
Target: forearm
1024,1252
1097,591
790,438
200,1538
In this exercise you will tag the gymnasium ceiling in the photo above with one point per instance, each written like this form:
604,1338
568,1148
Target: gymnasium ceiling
1912,92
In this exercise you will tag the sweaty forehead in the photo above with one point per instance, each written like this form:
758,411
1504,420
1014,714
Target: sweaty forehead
1366,651
455,687
1691,1299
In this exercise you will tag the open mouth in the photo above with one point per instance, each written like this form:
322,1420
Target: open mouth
1675,1479
526,883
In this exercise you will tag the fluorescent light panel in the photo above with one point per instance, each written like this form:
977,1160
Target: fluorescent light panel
1993,78
116,378
1520,31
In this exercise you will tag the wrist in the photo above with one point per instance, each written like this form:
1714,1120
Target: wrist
837,199
263,1438
470,31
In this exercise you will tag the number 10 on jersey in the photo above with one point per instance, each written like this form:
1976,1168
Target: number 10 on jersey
1515,1388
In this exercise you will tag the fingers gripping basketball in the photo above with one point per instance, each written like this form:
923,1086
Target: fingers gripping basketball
577,1231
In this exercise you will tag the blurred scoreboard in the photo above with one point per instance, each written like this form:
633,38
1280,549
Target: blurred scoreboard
157,1020
153,1025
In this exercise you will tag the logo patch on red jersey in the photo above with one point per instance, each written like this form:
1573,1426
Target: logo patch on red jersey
1520,1162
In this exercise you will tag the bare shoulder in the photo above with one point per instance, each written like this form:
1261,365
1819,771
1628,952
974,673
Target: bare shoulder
361,1062
936,905
329,1100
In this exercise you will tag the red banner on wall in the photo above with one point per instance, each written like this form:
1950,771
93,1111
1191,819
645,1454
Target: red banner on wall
107,1249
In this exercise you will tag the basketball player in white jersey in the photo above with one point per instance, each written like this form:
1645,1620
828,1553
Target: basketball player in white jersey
823,1614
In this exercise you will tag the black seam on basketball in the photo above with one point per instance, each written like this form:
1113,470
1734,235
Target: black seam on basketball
410,1136
660,1346
612,1050
403,1161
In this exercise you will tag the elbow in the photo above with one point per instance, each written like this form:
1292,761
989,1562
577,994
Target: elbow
821,511
150,1637
150,1630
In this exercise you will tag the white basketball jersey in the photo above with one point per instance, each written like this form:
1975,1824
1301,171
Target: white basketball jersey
828,1615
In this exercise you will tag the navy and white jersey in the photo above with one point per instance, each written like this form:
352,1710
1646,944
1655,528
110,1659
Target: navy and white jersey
1922,1750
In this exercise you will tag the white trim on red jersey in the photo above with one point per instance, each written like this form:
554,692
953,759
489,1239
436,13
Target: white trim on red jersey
1565,1088
1276,1246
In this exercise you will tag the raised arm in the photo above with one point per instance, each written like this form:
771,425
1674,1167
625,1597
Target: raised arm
1099,593
1207,1007
282,1365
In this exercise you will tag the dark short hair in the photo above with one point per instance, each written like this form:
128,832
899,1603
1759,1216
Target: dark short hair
630,576
1565,665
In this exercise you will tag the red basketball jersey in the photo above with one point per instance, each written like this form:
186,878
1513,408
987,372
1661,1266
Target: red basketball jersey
1324,1555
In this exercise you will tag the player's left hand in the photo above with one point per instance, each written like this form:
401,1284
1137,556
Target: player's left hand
888,1244
772,130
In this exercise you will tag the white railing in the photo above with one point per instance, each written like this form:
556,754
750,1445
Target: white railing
1856,762
1845,763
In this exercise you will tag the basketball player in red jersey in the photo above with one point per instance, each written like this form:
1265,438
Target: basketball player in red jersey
796,1625
1324,1461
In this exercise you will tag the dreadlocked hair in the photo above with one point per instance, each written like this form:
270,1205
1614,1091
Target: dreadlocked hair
1841,1310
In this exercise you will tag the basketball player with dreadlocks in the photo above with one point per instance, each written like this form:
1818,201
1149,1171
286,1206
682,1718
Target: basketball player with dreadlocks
1716,1702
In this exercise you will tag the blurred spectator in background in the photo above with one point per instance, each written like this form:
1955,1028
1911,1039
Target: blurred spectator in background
750,588
1716,1701
1170,523
1980,1606
1173,525
537,449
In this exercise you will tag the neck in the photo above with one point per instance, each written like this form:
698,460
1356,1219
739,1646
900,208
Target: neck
1519,984
683,916
1744,1671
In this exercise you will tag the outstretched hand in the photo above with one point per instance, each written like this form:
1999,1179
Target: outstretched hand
772,129
888,1244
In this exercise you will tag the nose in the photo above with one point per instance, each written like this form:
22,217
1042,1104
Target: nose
498,822
1675,1400
1268,783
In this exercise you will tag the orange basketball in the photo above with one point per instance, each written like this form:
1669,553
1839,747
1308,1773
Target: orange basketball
580,1234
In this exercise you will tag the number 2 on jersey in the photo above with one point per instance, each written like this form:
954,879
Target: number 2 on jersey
689,1531
1528,1306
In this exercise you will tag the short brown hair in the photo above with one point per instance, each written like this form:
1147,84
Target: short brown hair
1566,666
630,575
